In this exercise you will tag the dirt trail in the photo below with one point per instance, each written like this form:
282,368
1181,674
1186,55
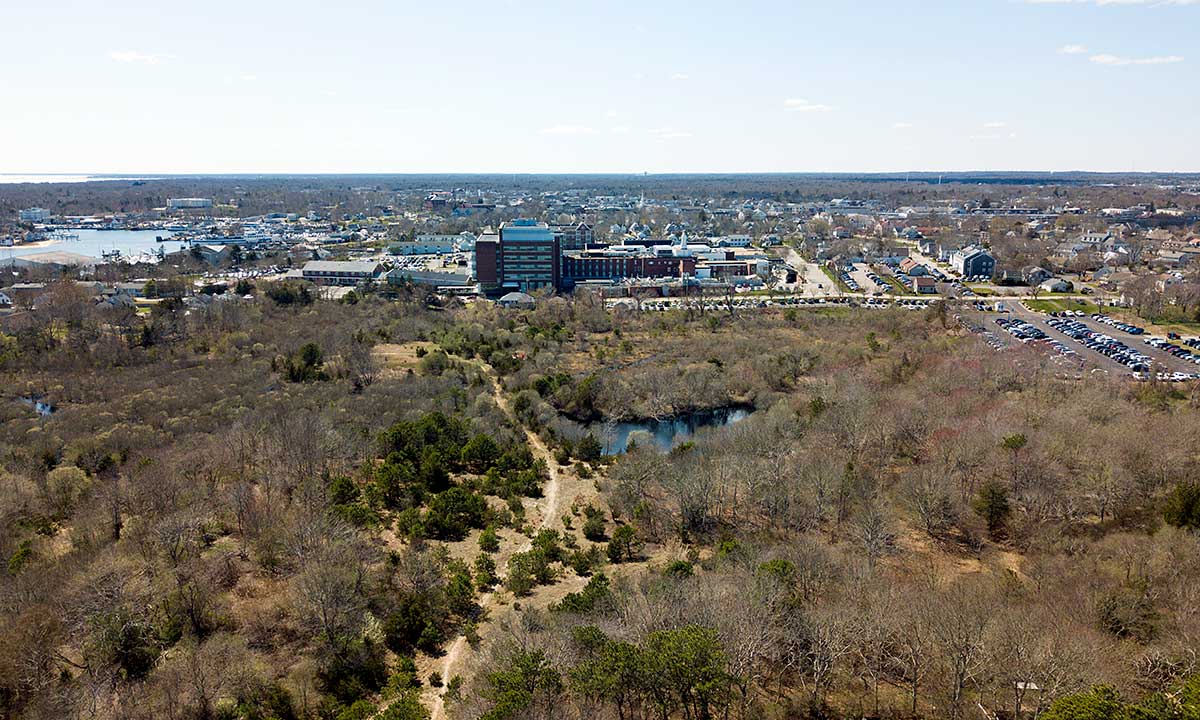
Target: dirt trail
549,511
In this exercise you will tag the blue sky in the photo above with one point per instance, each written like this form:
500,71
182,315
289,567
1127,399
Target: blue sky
523,86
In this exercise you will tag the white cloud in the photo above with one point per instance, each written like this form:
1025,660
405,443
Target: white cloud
670,133
901,126
621,130
802,105
680,76
995,125
568,130
1120,61
1073,50
990,137
132,56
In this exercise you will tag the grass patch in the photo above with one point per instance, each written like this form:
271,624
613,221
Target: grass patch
899,287
837,281
982,290
1162,327
1058,305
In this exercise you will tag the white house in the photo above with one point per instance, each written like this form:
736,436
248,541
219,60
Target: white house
35,214
516,300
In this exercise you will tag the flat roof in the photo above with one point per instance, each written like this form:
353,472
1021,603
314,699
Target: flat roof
361,266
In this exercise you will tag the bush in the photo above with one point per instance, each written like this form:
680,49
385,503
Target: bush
588,448
453,512
480,453
124,641
20,557
405,707
1182,507
624,546
1128,613
65,487
489,541
342,491
485,572
678,569
289,294
405,628
585,562
527,570
594,596
593,526
358,672
992,505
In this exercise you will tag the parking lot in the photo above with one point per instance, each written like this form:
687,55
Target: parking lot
1115,347
868,281
765,303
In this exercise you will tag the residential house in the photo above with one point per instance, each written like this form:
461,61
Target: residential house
973,261
516,300
212,254
115,301
1172,258
24,294
1095,239
924,285
1168,280
1034,275
908,266
131,289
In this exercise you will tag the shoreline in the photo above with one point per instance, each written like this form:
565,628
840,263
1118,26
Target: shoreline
38,244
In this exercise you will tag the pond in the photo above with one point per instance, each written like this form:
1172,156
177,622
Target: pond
666,433
41,407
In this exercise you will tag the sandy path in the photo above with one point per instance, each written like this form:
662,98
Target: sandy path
549,511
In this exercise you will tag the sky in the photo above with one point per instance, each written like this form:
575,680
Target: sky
524,86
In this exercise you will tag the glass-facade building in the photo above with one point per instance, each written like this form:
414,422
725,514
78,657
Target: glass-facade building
528,257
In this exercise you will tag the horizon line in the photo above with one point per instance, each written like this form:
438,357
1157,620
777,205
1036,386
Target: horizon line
151,175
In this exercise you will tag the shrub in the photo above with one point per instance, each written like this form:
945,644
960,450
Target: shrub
480,453
584,562
678,569
489,541
593,526
453,512
1182,507
624,546
485,572
595,595
992,505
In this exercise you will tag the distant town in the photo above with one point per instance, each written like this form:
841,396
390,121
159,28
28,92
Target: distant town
1000,244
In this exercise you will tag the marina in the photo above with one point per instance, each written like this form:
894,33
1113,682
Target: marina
100,244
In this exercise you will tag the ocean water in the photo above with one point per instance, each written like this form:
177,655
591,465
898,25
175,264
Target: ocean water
13,179
94,243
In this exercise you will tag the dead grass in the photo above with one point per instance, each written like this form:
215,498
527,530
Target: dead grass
396,359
